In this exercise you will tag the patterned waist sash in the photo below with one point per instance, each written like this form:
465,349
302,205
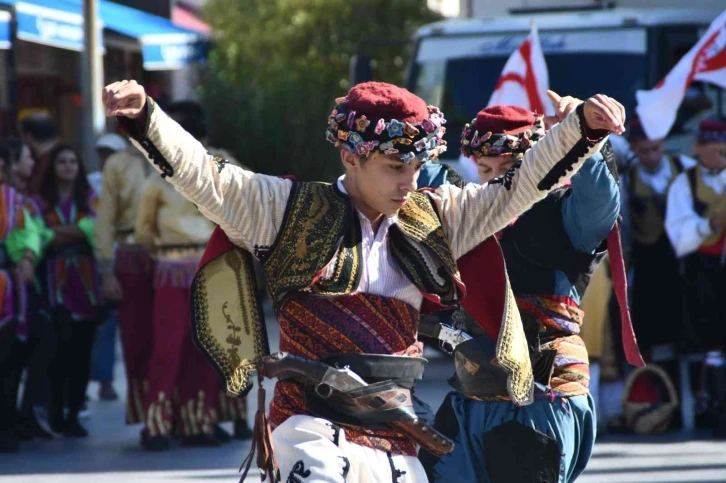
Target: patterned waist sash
560,319
316,327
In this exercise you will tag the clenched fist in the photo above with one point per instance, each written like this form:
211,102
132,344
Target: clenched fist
125,99
601,111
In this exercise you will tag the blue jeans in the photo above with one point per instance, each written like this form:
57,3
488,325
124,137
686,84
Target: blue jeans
570,421
103,357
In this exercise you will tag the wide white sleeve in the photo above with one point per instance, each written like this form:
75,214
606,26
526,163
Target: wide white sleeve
685,228
249,207
476,212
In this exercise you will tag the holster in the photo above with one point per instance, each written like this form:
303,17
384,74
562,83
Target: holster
386,398
478,375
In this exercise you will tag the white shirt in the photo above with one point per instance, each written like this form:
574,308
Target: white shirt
380,275
660,178
686,229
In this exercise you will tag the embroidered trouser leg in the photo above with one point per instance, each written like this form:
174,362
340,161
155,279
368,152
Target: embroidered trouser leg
232,409
134,270
567,424
135,313
313,449
176,364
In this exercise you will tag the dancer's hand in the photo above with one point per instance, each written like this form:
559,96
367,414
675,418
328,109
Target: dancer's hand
111,288
124,99
601,112
563,106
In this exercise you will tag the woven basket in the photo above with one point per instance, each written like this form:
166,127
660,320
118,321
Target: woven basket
647,417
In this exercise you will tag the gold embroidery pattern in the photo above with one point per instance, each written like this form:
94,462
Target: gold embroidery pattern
513,353
315,221
647,208
714,204
213,317
347,266
420,223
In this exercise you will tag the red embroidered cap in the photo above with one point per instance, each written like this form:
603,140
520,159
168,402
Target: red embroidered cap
376,116
502,130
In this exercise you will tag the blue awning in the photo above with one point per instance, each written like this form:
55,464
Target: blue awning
164,46
5,37
57,23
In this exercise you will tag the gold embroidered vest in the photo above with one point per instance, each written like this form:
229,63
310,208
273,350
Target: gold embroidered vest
321,226
647,208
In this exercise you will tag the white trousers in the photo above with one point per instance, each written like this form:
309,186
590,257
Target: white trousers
312,449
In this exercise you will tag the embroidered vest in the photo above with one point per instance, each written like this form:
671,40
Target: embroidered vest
647,208
706,202
320,227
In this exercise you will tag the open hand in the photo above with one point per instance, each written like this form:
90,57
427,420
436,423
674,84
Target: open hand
125,99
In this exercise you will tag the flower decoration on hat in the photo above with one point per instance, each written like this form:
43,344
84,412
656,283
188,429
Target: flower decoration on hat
501,131
378,117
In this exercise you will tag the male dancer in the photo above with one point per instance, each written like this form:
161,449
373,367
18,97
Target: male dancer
550,252
695,223
348,266
127,275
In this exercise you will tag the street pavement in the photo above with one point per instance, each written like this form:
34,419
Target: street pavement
111,454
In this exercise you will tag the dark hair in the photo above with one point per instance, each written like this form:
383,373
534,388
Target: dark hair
39,126
10,152
49,187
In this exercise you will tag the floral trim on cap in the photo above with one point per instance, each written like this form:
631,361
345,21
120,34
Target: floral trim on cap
354,132
474,143
712,137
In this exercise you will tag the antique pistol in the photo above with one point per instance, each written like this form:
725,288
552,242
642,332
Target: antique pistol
333,383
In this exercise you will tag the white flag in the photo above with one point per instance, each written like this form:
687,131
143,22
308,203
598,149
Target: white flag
705,62
524,80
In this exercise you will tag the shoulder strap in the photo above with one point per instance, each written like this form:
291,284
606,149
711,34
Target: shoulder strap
678,162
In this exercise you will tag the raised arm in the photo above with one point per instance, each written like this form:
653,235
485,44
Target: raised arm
249,207
476,212
591,210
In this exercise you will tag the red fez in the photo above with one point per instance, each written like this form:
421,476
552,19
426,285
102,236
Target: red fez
379,100
376,116
712,131
504,120
501,130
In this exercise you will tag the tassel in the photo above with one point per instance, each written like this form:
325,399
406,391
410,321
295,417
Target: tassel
261,444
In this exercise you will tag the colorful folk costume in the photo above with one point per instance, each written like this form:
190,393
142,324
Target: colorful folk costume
74,297
345,295
183,391
655,267
694,199
18,240
119,253
550,253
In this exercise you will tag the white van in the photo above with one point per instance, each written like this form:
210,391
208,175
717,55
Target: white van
456,63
